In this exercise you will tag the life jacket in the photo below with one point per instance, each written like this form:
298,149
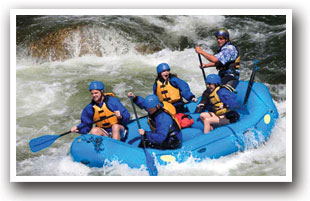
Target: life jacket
166,92
169,109
184,120
216,103
231,67
108,117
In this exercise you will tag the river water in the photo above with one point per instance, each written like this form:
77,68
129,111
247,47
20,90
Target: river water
58,56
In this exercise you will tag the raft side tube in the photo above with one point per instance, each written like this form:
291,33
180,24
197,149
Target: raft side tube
86,150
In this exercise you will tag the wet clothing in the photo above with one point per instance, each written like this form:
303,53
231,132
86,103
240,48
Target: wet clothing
228,64
166,134
173,91
91,112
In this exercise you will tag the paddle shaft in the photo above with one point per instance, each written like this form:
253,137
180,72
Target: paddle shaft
101,119
255,68
138,122
66,133
203,71
135,112
149,160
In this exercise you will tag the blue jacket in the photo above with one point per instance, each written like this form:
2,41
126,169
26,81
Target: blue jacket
229,98
163,122
88,113
181,85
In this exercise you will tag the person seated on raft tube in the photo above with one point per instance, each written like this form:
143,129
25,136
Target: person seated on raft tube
168,87
226,60
106,107
166,131
218,100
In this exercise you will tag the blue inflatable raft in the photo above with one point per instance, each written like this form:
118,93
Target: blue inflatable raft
253,128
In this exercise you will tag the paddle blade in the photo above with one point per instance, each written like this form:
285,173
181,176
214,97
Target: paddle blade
151,167
42,142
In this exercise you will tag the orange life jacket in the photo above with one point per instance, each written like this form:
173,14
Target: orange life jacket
108,117
166,92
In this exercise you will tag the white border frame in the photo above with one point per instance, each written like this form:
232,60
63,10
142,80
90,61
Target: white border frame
287,12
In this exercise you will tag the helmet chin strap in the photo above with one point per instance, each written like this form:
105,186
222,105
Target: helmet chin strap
102,94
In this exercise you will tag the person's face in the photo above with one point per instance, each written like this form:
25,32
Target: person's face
152,110
221,40
211,86
96,95
165,74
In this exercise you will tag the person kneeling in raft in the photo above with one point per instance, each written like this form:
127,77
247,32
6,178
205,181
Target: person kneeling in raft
108,109
166,131
217,99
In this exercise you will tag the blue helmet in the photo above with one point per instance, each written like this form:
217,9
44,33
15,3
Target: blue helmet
96,85
151,101
162,67
213,79
222,32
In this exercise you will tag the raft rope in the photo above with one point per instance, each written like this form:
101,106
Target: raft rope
97,141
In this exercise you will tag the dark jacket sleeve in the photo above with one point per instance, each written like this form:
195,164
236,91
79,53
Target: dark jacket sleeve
139,101
115,104
228,97
163,123
86,119
154,88
204,98
183,87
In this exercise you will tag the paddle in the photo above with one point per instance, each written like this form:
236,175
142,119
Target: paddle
255,68
45,141
199,109
203,71
149,159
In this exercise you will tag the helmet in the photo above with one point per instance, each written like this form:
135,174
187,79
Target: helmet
162,67
213,79
222,32
151,101
96,85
